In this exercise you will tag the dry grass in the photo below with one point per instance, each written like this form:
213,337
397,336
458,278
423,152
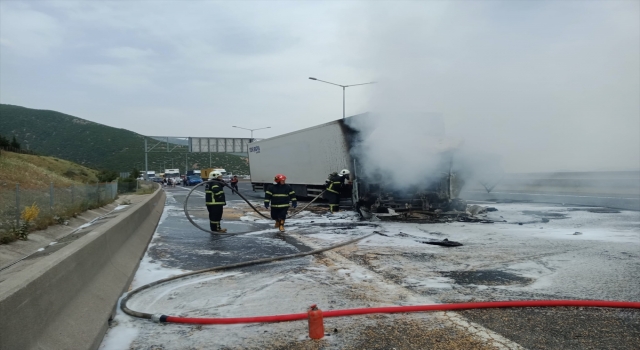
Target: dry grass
33,172
75,190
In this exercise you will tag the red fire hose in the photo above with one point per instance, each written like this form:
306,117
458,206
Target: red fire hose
396,309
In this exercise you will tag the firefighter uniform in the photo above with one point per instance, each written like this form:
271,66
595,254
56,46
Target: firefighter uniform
334,188
214,196
278,196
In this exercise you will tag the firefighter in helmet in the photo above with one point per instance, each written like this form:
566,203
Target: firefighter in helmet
278,197
214,196
334,187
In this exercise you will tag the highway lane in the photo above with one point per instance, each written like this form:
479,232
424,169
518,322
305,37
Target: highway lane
179,244
500,261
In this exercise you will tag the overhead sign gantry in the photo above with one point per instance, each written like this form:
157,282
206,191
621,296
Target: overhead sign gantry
177,144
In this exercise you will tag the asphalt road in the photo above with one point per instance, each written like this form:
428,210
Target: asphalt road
186,247
180,245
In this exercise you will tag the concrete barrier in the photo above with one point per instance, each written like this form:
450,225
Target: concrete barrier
65,300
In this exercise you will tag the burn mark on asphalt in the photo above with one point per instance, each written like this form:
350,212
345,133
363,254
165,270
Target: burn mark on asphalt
486,277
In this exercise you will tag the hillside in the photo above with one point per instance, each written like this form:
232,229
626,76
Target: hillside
95,145
37,172
35,201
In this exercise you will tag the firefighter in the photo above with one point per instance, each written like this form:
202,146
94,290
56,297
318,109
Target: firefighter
234,184
214,196
278,196
334,187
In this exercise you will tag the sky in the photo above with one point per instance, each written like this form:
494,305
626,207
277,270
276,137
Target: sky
544,85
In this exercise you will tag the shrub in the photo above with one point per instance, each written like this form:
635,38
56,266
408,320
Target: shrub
28,216
7,237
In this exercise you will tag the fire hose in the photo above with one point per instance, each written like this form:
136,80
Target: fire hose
186,210
398,309
345,312
348,312
123,304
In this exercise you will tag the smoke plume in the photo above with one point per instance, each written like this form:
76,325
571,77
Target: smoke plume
524,86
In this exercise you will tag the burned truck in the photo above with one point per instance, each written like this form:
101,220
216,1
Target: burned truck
309,155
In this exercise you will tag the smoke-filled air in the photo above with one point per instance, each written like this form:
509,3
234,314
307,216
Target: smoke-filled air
513,86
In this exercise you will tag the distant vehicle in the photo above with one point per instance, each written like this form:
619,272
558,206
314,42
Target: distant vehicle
206,172
156,179
150,174
226,178
173,173
193,180
193,172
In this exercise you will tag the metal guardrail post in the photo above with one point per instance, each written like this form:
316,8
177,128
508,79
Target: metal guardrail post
51,197
17,205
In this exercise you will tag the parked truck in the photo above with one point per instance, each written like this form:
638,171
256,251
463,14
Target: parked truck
174,174
307,156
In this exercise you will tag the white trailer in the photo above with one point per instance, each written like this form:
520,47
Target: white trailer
305,156
309,155
173,173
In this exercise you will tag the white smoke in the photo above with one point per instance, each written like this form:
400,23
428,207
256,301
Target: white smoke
415,159
538,88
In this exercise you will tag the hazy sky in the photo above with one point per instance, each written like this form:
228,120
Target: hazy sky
545,85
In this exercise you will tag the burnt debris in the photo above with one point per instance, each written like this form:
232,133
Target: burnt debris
419,216
445,243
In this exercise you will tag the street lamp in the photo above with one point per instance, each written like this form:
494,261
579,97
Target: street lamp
343,88
268,127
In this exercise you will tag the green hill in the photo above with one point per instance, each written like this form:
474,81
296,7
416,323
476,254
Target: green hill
99,146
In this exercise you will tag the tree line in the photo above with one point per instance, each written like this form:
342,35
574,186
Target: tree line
5,143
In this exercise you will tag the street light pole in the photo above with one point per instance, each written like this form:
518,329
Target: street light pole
268,127
343,91
146,160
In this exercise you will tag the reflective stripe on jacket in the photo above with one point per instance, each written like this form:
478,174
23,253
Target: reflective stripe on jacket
214,193
334,183
279,195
